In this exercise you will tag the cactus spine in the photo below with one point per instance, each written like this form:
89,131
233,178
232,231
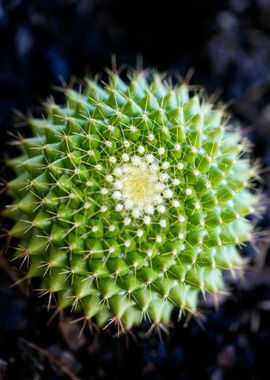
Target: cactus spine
131,199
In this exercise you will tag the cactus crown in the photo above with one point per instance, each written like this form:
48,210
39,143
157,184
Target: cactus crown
131,199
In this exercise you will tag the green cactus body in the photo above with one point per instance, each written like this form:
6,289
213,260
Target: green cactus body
131,199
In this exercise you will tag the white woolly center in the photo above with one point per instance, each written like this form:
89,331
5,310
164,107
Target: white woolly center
141,186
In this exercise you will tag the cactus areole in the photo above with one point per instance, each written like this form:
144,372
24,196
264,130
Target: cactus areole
131,199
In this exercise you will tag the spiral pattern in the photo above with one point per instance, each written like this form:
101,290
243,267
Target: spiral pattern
131,199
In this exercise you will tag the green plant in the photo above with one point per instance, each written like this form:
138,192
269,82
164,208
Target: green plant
131,199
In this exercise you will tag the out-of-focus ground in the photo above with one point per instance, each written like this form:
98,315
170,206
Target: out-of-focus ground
44,43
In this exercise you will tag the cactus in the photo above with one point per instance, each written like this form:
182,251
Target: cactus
131,199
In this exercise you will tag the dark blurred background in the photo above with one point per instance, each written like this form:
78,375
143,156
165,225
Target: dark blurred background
45,44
